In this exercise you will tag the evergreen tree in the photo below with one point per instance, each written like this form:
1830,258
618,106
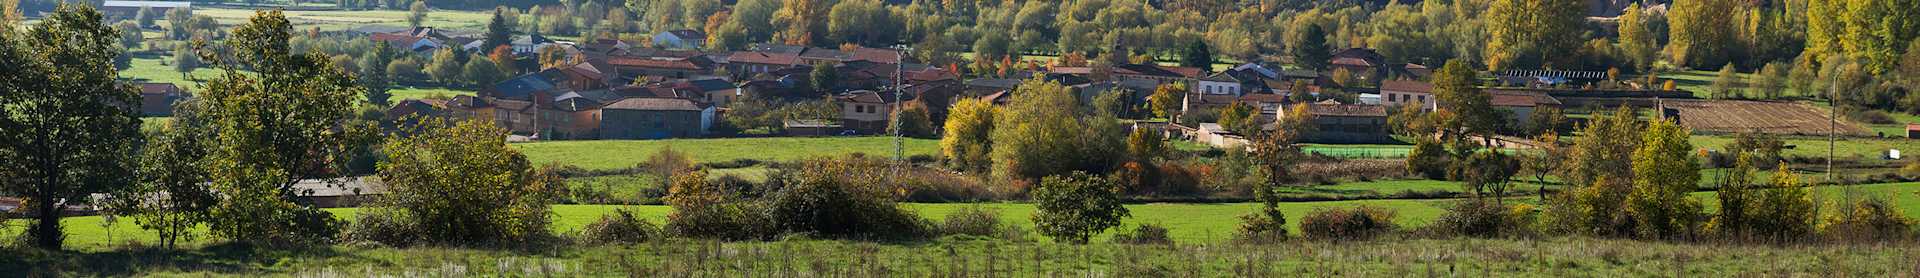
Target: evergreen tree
1197,56
1311,49
498,31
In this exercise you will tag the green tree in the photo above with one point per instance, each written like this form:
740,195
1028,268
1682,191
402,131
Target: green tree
1311,50
1771,81
1725,84
1196,55
64,129
276,126
129,34
863,22
912,120
1491,171
463,185
1802,77
1703,33
482,72
1603,153
967,144
824,78
1453,87
1909,70
1238,117
1665,171
751,16
1165,99
499,32
1035,137
172,197
177,23
417,13
373,75
185,60
1529,34
146,16
1076,206
1637,39
445,67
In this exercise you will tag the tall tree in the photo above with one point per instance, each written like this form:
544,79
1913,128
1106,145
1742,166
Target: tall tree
1197,55
966,144
752,16
863,22
1637,39
172,197
805,22
145,16
65,129
373,75
1453,87
1665,171
1726,83
1311,50
276,126
462,185
498,31
1037,136
1703,32
1529,34
417,13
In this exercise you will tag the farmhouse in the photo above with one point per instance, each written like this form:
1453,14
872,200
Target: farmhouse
1407,92
1336,123
867,111
655,118
156,99
1159,75
1365,64
1520,105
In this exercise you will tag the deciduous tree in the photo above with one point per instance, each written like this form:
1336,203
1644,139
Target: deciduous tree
966,144
1074,207
417,13
65,128
461,184
1665,171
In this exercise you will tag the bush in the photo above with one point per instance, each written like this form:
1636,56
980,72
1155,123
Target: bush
1481,218
462,184
1866,219
1075,207
728,221
973,221
1428,159
1357,223
1145,234
619,227
390,227
1869,116
843,198
1262,228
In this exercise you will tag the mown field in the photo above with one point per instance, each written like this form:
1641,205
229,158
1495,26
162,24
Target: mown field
470,21
614,154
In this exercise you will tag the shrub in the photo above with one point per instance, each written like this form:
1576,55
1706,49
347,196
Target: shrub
1427,159
619,227
974,221
1866,219
1075,207
1144,234
390,227
1481,218
1357,223
1259,228
727,221
843,198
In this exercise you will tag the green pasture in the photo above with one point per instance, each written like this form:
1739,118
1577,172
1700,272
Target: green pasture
472,21
615,154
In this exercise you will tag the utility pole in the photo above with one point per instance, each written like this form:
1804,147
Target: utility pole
899,101
1833,123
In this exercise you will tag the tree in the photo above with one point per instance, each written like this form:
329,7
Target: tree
752,17
824,78
1035,136
1491,172
129,34
1771,81
1453,87
172,197
1802,77
1530,34
1546,120
863,22
184,60
1703,34
1544,162
145,17
912,120
1637,39
1910,65
463,185
482,72
966,145
177,23
1146,144
1665,171
373,75
1311,50
446,67
1165,100
417,13
279,125
1198,56
499,32
803,21
1725,84
1603,153
64,132
1238,117
1076,206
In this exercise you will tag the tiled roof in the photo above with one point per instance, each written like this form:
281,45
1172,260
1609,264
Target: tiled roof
682,64
1156,70
769,58
1406,86
865,96
1520,99
877,55
654,104
1347,110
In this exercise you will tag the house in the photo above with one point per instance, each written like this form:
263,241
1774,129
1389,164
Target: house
521,87
1214,135
717,92
630,67
1336,123
749,63
574,115
1367,65
680,39
405,42
605,47
1407,92
988,86
654,118
1232,82
416,108
1519,105
867,111
1913,131
156,99
521,46
810,128
1156,73
131,9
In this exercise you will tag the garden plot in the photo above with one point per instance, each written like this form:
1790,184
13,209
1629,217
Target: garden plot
1734,116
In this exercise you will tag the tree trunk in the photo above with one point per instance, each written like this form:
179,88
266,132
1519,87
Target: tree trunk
46,231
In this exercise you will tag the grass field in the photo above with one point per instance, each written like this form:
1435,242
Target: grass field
151,70
614,154
403,93
1864,148
471,21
